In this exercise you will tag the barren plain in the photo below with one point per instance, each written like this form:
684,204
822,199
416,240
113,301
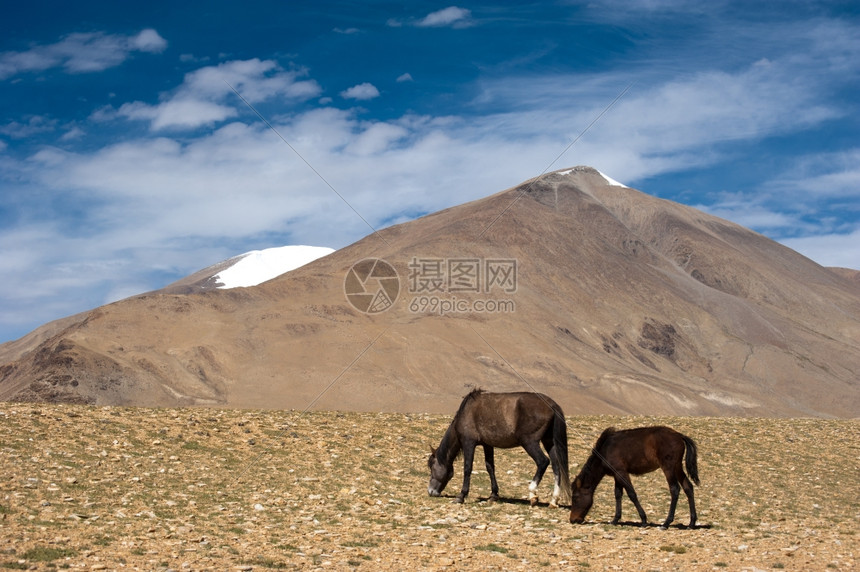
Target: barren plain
110,488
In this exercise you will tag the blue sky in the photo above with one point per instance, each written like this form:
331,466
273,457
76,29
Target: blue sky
127,160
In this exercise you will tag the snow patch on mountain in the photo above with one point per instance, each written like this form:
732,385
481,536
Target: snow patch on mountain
612,181
257,266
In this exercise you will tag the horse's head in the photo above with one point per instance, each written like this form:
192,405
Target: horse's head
580,501
439,475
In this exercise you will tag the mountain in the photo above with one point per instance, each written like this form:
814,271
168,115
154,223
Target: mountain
606,298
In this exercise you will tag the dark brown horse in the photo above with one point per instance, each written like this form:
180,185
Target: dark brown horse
503,420
636,452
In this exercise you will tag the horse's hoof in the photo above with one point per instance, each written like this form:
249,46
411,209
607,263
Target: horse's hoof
553,504
493,498
533,501
614,522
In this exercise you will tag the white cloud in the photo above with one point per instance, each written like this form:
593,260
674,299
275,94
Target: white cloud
839,250
450,16
81,53
255,79
182,113
745,211
73,134
404,77
148,41
626,9
376,138
34,125
146,197
830,175
660,125
361,92
206,95
191,58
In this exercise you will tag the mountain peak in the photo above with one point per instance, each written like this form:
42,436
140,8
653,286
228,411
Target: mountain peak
590,171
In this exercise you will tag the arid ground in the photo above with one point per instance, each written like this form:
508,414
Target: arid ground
103,488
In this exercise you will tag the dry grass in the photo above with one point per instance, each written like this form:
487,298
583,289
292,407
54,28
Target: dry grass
191,489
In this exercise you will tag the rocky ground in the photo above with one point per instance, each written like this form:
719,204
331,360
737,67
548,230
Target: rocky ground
199,489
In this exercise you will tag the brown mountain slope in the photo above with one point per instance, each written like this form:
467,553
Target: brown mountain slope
623,303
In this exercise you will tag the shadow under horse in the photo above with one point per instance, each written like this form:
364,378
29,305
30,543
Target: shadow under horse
636,452
503,420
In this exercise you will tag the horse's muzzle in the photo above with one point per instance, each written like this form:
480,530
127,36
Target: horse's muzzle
433,492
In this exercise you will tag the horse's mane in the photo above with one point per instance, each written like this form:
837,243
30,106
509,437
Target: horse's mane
595,459
472,395
449,449
603,437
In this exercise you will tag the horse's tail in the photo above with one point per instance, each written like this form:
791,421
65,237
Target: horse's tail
691,457
559,449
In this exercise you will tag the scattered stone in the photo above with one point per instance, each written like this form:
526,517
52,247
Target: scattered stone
212,506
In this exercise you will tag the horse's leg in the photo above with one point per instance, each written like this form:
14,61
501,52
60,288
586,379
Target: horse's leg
619,492
556,470
688,490
490,463
674,490
468,458
627,484
535,452
678,479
